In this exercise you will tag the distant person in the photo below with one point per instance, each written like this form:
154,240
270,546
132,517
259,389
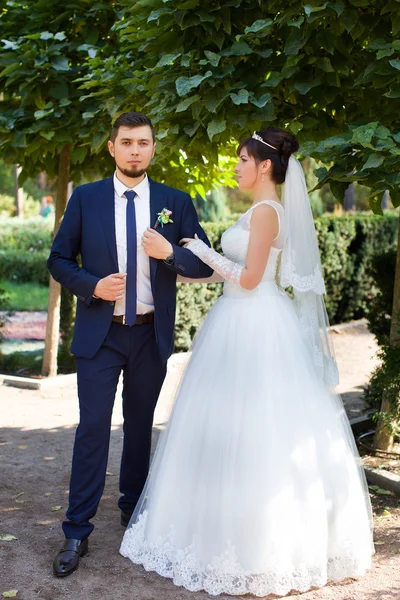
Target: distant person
46,207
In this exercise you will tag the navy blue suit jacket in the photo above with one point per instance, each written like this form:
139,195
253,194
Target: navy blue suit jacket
88,230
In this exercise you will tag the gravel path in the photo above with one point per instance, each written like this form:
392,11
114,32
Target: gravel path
36,437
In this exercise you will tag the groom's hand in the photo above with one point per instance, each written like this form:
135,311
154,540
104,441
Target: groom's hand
155,245
111,288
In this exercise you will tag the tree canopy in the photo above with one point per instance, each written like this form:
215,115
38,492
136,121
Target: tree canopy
209,72
44,53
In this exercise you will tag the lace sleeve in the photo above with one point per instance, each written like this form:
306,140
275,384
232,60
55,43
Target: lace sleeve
229,270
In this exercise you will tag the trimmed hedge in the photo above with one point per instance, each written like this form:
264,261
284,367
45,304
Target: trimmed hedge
347,246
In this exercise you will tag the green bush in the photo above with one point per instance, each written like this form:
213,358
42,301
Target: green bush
32,234
21,266
385,379
347,246
8,208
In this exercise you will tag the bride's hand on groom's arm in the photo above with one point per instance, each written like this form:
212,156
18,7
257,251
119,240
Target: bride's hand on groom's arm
184,242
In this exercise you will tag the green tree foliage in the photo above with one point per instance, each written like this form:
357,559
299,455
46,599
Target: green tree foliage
210,71
44,51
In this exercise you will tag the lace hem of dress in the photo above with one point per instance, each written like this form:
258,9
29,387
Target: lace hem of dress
224,575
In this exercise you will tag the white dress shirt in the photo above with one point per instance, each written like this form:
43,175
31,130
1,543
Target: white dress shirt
144,296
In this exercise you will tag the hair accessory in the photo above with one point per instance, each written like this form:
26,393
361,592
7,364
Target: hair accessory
259,139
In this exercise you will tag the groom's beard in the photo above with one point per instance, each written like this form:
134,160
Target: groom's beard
132,172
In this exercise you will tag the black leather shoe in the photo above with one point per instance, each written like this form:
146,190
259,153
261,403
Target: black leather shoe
67,560
125,518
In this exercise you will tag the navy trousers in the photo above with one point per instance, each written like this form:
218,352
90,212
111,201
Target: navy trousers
134,351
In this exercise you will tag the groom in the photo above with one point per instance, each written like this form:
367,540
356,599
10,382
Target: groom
126,231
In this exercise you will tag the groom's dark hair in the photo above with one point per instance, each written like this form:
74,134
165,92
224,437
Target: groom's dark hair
131,119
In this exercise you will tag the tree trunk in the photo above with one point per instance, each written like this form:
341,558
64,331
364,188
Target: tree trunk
349,201
49,365
19,193
384,439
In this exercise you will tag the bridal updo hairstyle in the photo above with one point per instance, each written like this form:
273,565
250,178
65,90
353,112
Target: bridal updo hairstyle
284,141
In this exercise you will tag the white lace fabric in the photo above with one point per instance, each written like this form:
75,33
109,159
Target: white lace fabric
229,270
230,267
225,575
256,485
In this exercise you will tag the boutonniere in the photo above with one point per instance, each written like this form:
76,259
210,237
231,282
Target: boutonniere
163,217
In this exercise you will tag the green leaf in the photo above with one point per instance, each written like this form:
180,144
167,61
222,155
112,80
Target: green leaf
10,69
242,97
395,197
8,45
212,102
395,93
212,57
156,14
167,59
61,64
294,42
215,127
375,202
384,53
40,114
60,36
273,79
5,537
200,190
395,63
364,134
262,101
338,189
190,130
325,65
185,84
47,135
10,594
237,49
308,9
373,161
18,140
46,35
349,18
258,26
184,104
79,154
60,90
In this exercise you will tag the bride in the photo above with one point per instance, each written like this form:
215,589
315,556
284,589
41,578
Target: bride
256,485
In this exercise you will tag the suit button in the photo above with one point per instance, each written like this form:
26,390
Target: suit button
112,303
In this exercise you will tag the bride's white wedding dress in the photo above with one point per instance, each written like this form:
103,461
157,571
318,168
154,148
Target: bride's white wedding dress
256,485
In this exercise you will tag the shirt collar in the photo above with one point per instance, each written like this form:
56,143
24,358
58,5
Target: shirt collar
121,188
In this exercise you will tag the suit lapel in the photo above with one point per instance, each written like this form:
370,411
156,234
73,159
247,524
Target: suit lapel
107,216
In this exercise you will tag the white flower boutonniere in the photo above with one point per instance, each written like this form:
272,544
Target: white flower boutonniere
163,217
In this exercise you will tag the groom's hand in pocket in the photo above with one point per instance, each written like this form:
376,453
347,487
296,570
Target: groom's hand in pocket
111,288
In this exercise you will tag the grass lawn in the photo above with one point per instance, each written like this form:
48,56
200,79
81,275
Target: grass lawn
26,296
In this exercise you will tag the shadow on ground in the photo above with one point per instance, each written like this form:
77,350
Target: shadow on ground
34,481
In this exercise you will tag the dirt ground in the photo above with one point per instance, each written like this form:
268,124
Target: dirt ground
36,437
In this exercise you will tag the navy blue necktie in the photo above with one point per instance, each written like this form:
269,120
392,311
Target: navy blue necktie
131,259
